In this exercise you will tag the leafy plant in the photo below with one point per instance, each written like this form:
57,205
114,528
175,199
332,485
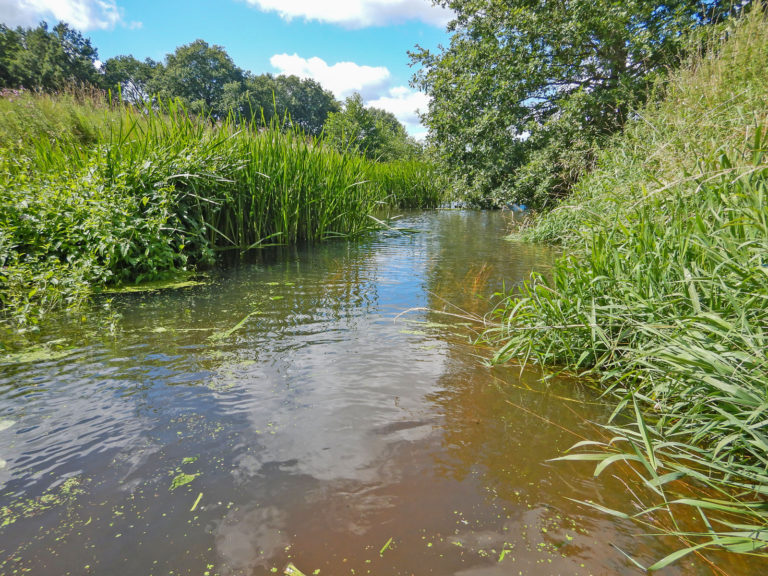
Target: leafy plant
662,296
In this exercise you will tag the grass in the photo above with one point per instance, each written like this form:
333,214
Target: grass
100,195
409,183
663,298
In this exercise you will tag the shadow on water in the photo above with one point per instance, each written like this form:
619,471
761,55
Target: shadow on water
287,411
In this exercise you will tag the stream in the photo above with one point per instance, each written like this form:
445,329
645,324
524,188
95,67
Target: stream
321,406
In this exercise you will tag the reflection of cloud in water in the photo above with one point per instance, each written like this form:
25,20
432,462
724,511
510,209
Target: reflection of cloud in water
248,538
330,404
349,507
86,408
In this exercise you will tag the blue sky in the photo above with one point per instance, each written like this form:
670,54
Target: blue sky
346,45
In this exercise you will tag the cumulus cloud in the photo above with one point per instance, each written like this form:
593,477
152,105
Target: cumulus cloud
357,13
372,82
80,14
405,104
342,78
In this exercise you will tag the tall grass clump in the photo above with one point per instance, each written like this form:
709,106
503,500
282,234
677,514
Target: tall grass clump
409,183
75,117
97,195
663,298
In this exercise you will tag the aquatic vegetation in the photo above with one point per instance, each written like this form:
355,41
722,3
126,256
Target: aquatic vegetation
224,334
663,298
409,183
121,196
182,478
62,495
47,352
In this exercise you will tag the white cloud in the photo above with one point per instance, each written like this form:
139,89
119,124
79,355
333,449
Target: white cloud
80,14
357,13
372,82
342,78
405,104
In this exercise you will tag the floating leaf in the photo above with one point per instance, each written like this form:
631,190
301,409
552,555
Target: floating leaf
291,570
182,479
385,547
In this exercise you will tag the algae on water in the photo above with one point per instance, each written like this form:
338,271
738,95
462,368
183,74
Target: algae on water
64,494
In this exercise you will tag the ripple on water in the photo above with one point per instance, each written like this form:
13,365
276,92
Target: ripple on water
314,423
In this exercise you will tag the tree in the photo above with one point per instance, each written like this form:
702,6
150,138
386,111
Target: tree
523,81
376,133
303,103
130,76
10,44
196,74
352,127
50,60
306,102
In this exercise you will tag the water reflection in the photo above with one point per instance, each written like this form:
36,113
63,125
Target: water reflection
313,424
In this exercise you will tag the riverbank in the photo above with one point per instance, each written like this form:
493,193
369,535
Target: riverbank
100,195
663,298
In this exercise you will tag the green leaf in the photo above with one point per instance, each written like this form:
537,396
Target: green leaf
182,479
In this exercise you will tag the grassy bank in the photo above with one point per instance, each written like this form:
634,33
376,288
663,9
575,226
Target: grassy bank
663,298
98,195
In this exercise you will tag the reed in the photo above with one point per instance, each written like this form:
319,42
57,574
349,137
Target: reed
662,296
409,183
100,195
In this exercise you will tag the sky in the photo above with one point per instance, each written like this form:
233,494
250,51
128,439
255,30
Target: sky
346,45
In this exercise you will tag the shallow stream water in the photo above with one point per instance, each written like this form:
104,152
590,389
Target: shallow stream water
321,406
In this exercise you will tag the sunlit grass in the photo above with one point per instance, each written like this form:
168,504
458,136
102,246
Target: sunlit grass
663,296
100,195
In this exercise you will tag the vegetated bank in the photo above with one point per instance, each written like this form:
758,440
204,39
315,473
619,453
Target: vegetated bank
98,194
663,298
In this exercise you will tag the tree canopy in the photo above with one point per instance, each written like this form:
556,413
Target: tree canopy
300,102
527,90
197,74
129,76
47,59
376,133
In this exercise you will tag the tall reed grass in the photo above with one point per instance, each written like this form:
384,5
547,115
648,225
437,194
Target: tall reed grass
409,183
98,195
663,298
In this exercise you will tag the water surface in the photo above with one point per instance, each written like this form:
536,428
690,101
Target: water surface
324,407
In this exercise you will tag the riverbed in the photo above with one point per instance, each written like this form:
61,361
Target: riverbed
320,406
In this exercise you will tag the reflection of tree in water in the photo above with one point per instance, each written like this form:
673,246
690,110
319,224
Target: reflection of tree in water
486,433
476,260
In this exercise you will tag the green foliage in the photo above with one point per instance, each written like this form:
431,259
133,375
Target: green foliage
197,74
408,183
375,133
306,104
124,195
71,119
202,77
663,294
299,103
46,59
527,91
129,77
